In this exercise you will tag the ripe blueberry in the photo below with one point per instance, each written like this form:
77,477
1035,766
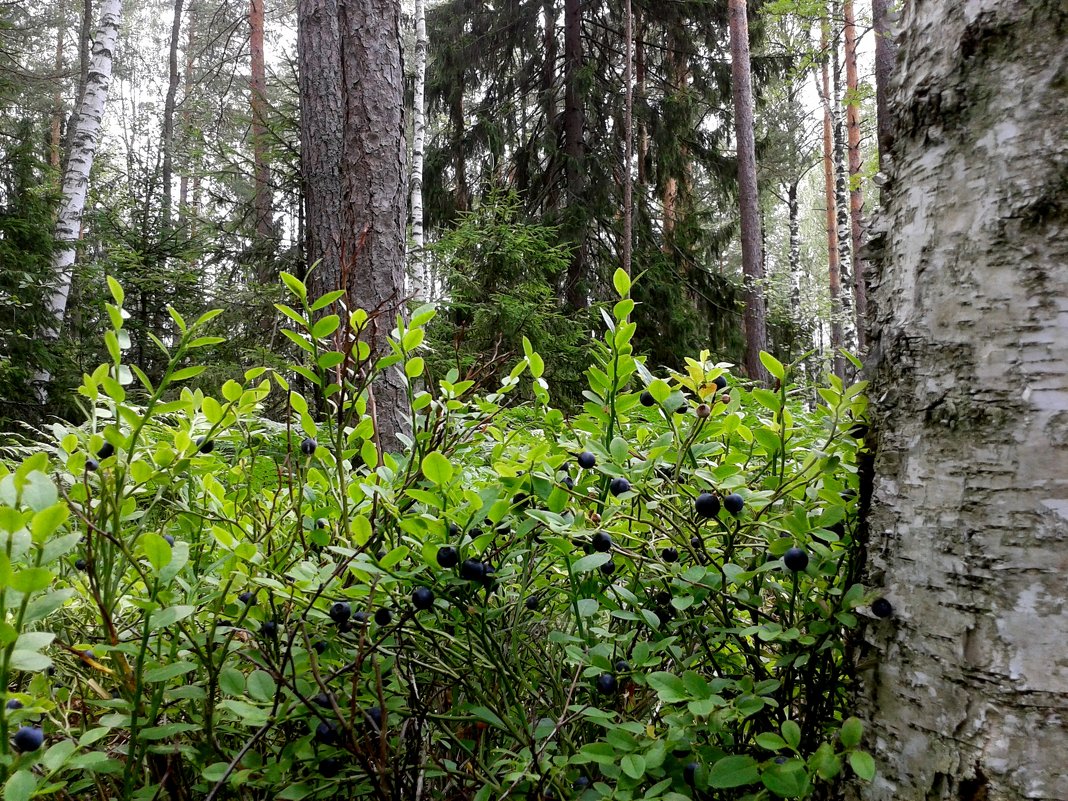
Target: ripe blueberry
685,407
669,555
706,505
581,783
330,767
28,738
647,399
91,465
322,699
205,445
320,646
308,446
106,450
689,773
14,703
795,559
326,732
696,543
881,607
374,717
601,542
608,568
169,539
587,460
568,482
422,598
454,530
531,603
269,629
622,666
448,556
383,617
606,684
247,598
340,611
618,486
80,564
472,570
721,382
734,503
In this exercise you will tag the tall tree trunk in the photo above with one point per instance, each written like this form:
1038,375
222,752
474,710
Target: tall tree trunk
55,143
168,118
187,119
675,194
841,181
258,103
833,273
969,506
418,272
793,210
576,291
84,141
373,185
322,133
885,56
856,195
84,41
639,88
748,199
628,136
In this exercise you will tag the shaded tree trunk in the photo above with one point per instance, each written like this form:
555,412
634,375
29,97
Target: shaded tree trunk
84,140
856,195
184,217
418,273
833,272
969,509
675,195
576,291
885,57
322,131
258,103
373,184
841,181
628,135
748,198
168,117
55,143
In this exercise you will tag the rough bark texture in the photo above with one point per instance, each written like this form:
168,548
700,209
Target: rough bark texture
833,272
856,194
574,152
374,184
55,144
322,123
628,136
84,140
420,281
841,181
748,198
969,508
258,103
675,196
885,57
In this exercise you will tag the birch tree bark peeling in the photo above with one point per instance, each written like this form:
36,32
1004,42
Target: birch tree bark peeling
969,517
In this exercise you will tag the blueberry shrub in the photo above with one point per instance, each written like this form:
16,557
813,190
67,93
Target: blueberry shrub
652,599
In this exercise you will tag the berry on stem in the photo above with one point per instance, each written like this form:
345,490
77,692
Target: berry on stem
795,559
587,460
706,505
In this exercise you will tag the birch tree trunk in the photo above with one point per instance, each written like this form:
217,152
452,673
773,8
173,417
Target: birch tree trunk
373,183
969,507
834,277
885,57
841,180
83,143
418,272
748,199
856,195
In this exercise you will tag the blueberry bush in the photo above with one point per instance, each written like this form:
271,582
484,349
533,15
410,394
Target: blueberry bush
651,599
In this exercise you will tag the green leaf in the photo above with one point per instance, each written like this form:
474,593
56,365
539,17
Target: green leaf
295,285
261,686
20,786
863,765
668,686
29,660
621,281
326,326
852,731
116,290
789,780
327,299
157,549
488,716
587,607
733,771
166,672
633,765
771,741
187,372
791,732
772,365
58,754
46,521
590,562
169,616
437,468
31,579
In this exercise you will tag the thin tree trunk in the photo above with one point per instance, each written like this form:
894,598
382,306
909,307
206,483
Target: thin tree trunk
841,182
322,133
885,57
258,102
968,696
548,101
168,118
55,143
187,118
628,146
834,275
374,187
419,278
794,216
748,199
856,194
674,197
577,292
639,87
84,41
84,141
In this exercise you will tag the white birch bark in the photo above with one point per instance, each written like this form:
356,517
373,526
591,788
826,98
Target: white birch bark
968,693
83,145
83,150
420,280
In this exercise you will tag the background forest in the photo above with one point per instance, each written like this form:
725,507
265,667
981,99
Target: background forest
517,156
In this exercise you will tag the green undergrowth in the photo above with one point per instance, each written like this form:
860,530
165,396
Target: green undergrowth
199,603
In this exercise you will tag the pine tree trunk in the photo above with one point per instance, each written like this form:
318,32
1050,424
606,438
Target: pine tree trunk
794,216
577,292
187,120
262,203
833,274
628,136
84,140
748,199
418,272
167,145
968,698
55,143
885,57
322,134
374,185
856,194
674,198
